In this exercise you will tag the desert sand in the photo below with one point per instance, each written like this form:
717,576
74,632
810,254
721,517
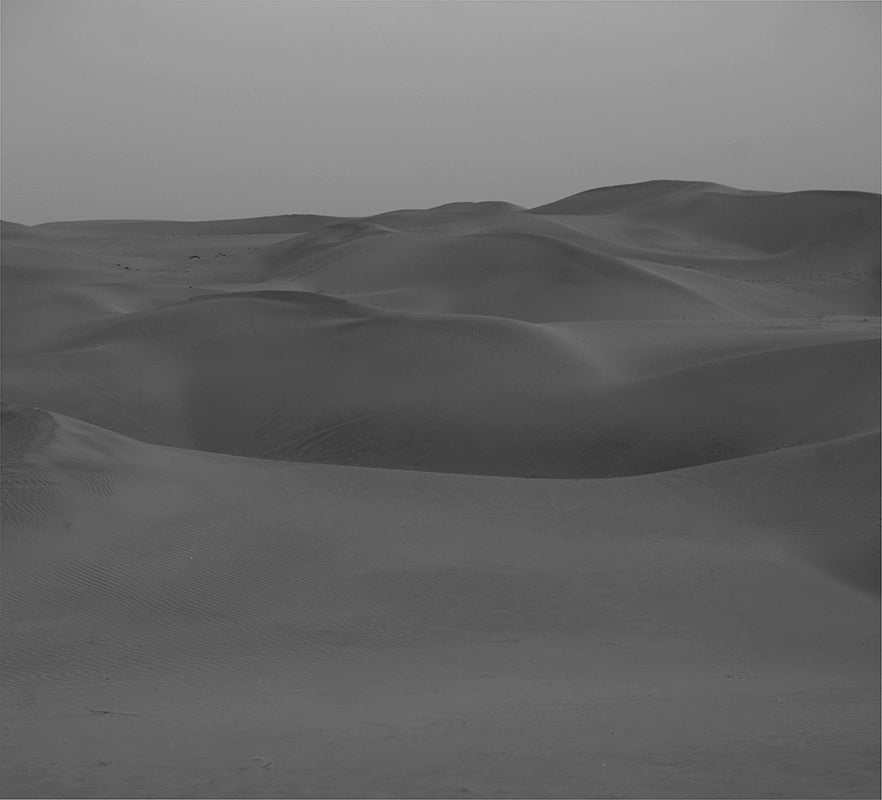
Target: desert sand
472,501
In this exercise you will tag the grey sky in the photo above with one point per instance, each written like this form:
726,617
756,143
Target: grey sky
200,110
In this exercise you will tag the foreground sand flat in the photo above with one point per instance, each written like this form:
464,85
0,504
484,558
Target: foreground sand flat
581,501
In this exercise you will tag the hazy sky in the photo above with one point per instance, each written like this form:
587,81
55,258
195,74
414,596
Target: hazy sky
202,110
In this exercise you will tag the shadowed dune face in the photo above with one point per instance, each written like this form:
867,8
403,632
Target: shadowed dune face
466,501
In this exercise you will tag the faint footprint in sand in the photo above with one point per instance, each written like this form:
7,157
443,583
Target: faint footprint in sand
257,762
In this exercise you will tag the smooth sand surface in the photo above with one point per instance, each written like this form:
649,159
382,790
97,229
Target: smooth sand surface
471,501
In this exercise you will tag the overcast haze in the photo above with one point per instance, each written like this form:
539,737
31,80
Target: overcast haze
201,110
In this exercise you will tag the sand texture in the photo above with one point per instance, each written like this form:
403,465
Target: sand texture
473,501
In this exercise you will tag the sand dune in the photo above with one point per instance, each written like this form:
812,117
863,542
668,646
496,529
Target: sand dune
762,221
368,619
511,273
342,383
12,230
545,269
577,501
286,223
804,253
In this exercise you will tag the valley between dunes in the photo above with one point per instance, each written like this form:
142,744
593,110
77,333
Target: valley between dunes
472,501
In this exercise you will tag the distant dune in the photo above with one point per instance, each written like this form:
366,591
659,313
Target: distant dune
577,501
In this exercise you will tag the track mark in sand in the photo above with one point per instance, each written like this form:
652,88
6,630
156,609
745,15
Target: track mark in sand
311,266
185,586
460,602
837,541
307,442
23,429
592,450
657,271
102,711
29,500
359,437
88,479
